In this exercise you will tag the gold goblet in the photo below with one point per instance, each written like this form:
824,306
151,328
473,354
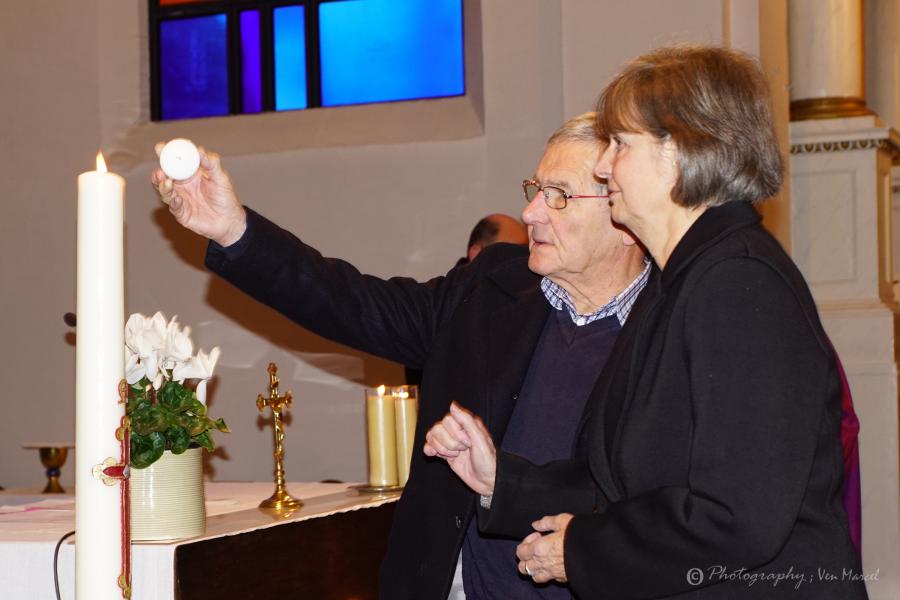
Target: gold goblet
53,457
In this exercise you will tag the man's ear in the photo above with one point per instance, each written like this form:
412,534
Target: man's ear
473,251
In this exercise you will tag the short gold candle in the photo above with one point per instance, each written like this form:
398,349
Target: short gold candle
382,437
406,403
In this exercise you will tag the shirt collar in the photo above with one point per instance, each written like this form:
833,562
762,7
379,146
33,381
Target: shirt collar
619,305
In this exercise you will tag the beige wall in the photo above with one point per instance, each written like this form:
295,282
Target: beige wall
390,208
599,36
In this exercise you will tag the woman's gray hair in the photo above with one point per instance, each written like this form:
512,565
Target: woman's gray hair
714,104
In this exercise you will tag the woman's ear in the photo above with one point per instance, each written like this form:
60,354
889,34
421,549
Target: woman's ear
669,156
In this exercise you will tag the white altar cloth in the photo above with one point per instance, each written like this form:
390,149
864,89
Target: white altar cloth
30,527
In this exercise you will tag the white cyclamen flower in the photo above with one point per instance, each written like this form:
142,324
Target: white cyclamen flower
178,344
145,343
134,370
198,367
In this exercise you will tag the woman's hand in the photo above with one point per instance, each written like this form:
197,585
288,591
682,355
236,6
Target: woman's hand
206,203
541,556
463,441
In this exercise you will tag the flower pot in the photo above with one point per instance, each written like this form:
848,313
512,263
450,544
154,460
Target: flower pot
167,500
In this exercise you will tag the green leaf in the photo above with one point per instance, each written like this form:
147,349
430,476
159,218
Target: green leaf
149,419
197,407
137,396
178,438
221,426
138,406
146,449
169,395
205,441
196,425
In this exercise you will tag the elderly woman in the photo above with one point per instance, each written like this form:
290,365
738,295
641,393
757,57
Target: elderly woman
710,463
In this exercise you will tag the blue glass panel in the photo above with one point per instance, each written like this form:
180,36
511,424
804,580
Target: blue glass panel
382,50
290,57
251,75
193,60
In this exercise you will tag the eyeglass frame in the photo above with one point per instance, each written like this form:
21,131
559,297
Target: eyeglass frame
566,196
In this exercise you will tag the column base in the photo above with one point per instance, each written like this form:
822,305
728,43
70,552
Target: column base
828,108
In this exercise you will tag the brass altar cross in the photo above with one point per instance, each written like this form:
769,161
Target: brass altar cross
280,498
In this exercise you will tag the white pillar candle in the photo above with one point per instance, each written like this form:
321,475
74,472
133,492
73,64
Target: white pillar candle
382,437
179,159
100,366
405,412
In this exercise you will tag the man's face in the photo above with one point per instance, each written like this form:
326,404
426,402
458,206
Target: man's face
576,245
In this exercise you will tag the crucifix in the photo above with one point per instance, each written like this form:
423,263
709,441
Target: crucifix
280,498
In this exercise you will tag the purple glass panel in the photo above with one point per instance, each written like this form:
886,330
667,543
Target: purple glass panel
193,67
251,75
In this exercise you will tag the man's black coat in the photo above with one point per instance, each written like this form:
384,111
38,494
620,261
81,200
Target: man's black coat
473,332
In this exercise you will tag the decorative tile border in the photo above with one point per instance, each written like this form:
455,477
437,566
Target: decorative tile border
846,146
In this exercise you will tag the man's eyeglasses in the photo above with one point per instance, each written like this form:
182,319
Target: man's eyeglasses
554,197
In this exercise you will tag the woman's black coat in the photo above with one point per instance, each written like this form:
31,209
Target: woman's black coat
712,464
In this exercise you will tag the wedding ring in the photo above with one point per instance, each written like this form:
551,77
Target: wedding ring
528,571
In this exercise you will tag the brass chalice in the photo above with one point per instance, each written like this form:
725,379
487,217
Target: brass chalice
53,457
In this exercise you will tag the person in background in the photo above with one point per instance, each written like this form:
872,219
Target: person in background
489,230
519,336
492,229
711,465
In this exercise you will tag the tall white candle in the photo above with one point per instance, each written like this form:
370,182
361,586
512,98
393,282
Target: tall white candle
99,366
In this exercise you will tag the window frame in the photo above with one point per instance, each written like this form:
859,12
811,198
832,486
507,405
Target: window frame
232,9
127,134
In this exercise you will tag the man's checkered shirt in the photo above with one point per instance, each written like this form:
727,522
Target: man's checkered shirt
620,305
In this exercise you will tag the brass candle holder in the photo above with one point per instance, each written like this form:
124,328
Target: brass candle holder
280,499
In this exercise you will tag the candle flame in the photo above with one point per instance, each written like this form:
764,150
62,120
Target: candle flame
101,164
381,390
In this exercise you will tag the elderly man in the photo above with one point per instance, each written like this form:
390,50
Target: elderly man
518,337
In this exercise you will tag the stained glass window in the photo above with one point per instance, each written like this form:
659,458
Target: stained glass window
216,57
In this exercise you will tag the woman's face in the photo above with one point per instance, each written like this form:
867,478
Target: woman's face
640,171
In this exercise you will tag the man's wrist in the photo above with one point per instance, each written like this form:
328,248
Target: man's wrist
235,231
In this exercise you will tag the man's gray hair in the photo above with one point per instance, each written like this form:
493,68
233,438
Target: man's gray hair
577,129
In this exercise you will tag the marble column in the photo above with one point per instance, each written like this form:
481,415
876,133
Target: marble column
826,46
882,22
842,241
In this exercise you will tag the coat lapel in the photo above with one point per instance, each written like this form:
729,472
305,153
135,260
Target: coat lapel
513,334
609,398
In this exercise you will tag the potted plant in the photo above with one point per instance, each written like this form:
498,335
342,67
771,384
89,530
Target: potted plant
170,427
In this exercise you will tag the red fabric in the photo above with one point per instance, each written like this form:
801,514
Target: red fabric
849,442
